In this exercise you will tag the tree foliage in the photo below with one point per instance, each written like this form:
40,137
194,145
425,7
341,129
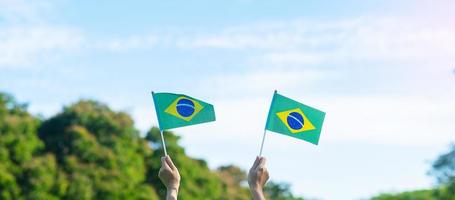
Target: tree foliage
25,171
99,151
413,195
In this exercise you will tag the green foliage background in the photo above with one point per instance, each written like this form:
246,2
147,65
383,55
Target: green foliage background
88,151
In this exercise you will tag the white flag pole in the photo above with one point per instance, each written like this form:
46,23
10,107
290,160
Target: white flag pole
161,131
164,144
262,145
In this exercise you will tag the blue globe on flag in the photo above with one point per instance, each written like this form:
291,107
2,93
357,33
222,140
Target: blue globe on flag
185,107
295,120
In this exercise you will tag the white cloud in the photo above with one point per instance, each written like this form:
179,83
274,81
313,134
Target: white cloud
383,39
402,120
272,35
23,46
302,58
239,41
26,37
262,81
131,42
23,11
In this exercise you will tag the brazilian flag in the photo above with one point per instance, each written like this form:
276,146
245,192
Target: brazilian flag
294,119
177,110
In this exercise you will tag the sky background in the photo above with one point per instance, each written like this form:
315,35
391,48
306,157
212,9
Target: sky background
383,71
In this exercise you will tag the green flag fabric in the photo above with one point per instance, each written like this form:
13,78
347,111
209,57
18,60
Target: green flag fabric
177,110
294,119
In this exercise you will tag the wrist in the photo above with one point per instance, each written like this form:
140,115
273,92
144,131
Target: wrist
172,193
173,187
255,187
257,193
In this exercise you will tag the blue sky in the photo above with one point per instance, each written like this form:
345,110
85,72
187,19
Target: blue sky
382,70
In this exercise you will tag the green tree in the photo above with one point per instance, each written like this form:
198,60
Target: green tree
412,195
25,173
100,151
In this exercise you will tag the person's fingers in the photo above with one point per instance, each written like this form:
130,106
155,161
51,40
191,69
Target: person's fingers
256,163
261,169
262,162
161,172
163,161
166,169
170,163
164,165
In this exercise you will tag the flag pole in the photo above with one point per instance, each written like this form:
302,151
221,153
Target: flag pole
161,131
262,145
164,144
266,123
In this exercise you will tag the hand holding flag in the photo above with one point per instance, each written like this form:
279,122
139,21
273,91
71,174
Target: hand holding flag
257,177
170,176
